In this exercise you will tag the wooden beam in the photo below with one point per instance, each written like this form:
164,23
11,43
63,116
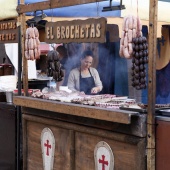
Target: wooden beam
153,12
22,8
22,22
93,112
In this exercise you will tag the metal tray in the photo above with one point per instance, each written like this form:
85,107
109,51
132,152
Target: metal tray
133,109
164,112
158,110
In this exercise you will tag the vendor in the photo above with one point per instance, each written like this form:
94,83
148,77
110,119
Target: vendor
63,57
85,78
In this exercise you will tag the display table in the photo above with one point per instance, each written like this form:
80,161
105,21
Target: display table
79,133
162,142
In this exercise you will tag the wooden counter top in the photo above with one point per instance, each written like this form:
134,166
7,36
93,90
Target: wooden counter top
113,115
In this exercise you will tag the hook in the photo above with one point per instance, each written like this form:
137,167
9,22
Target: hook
53,46
35,13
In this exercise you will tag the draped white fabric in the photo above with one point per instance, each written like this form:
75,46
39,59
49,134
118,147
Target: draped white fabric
12,53
8,9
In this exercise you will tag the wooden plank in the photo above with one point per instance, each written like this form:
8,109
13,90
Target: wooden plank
21,21
136,128
129,151
113,31
152,84
162,142
22,8
126,156
62,157
8,133
78,31
120,137
72,149
24,138
76,109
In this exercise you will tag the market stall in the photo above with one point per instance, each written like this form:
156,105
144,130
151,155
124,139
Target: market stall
66,135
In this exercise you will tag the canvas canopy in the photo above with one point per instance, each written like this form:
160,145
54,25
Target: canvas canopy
8,10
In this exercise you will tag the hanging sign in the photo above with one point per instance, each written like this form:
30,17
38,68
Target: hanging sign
103,156
8,31
79,31
48,148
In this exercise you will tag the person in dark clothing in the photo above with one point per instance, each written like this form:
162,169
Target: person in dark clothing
64,60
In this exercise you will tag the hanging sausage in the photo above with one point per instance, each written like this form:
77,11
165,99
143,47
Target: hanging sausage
131,28
134,46
139,61
32,43
54,66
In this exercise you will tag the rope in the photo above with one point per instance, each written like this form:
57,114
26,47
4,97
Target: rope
51,9
131,6
97,8
51,15
137,7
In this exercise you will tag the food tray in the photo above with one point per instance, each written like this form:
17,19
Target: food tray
133,109
164,111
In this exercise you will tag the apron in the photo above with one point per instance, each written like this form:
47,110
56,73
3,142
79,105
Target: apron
87,83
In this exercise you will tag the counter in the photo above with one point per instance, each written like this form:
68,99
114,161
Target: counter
77,135
8,136
162,142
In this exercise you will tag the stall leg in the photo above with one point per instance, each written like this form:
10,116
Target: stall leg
19,149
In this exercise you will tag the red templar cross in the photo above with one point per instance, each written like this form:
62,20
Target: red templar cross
103,162
48,147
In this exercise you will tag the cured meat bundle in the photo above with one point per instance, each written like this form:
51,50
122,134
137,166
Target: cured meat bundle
139,61
131,28
134,46
54,66
32,44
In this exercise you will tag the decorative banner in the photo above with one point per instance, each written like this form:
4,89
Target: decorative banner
103,156
48,148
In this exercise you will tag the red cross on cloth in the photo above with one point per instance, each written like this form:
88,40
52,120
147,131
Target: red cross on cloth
103,162
48,147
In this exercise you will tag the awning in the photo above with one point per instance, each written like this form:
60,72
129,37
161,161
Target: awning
45,48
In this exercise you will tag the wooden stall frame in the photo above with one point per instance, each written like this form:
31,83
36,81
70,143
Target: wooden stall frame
74,129
153,12
151,65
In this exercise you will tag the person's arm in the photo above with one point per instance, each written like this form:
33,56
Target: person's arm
60,83
95,90
98,84
72,81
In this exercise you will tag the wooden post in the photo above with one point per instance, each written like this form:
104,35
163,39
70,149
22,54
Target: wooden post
51,4
152,84
24,61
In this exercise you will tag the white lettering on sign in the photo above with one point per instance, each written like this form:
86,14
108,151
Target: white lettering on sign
8,25
90,30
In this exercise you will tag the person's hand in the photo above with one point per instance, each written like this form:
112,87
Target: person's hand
94,90
82,92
